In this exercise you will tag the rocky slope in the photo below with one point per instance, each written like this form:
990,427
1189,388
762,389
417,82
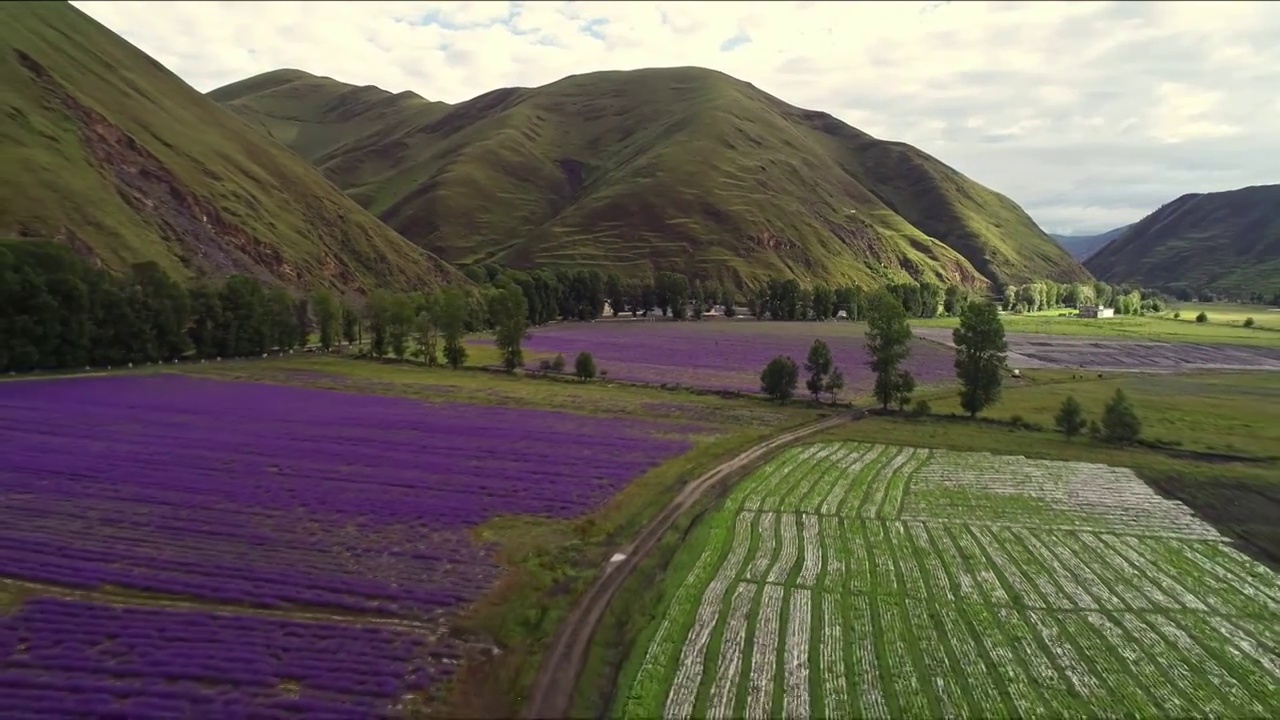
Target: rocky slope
107,151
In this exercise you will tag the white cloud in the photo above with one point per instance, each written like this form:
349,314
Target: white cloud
1089,115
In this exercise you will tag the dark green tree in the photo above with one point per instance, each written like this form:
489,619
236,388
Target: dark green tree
778,379
818,365
888,344
350,324
980,356
1070,419
507,313
584,366
452,308
1120,423
328,317
834,384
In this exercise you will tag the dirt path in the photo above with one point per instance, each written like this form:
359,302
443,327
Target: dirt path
551,694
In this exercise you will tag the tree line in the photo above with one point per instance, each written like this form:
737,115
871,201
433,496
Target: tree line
58,310
979,363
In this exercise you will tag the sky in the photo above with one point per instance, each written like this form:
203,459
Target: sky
1088,114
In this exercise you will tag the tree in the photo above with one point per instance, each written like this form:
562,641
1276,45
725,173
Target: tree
980,356
557,363
1249,322
400,320
507,313
778,379
452,307
888,344
328,317
350,324
904,383
1120,422
1070,419
834,384
426,333
584,366
1202,317
818,365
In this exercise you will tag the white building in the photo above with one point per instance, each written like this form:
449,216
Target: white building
1093,311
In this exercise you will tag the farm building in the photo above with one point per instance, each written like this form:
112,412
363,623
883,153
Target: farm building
1094,311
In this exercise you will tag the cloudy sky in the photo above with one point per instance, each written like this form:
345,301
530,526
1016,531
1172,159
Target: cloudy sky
1088,114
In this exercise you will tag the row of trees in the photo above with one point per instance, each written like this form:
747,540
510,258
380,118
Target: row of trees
583,294
1185,293
57,310
980,358
1048,295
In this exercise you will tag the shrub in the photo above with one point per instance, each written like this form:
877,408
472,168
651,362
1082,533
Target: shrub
557,365
1177,316
1095,430
1202,317
1248,322
921,409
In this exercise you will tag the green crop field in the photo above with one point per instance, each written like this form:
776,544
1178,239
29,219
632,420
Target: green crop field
1225,325
852,579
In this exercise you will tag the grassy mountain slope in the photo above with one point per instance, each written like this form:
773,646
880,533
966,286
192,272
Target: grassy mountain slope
107,151
673,169
1228,241
1081,247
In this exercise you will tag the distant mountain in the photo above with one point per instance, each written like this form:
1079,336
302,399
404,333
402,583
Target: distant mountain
1082,246
1223,241
682,169
106,151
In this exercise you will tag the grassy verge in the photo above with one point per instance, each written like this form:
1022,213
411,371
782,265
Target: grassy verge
550,563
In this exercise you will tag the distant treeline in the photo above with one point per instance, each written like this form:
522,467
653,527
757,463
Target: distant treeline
58,310
1189,294
582,294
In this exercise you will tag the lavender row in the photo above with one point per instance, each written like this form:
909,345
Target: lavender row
64,657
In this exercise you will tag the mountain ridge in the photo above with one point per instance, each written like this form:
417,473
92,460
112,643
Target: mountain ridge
1081,247
682,169
1223,241
120,159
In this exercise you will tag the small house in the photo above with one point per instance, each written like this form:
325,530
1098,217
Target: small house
1095,311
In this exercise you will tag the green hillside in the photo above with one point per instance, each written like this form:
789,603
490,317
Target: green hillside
107,151
1224,241
679,169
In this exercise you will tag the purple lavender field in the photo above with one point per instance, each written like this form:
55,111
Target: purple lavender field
266,496
723,354
67,658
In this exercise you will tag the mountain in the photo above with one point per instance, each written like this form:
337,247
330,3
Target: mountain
1082,246
681,169
107,151
1224,241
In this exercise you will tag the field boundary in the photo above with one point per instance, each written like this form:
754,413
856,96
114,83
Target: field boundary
552,691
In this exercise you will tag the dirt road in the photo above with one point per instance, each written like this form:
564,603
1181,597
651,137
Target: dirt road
551,694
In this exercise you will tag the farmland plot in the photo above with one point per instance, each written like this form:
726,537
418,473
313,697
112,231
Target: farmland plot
846,579
317,544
